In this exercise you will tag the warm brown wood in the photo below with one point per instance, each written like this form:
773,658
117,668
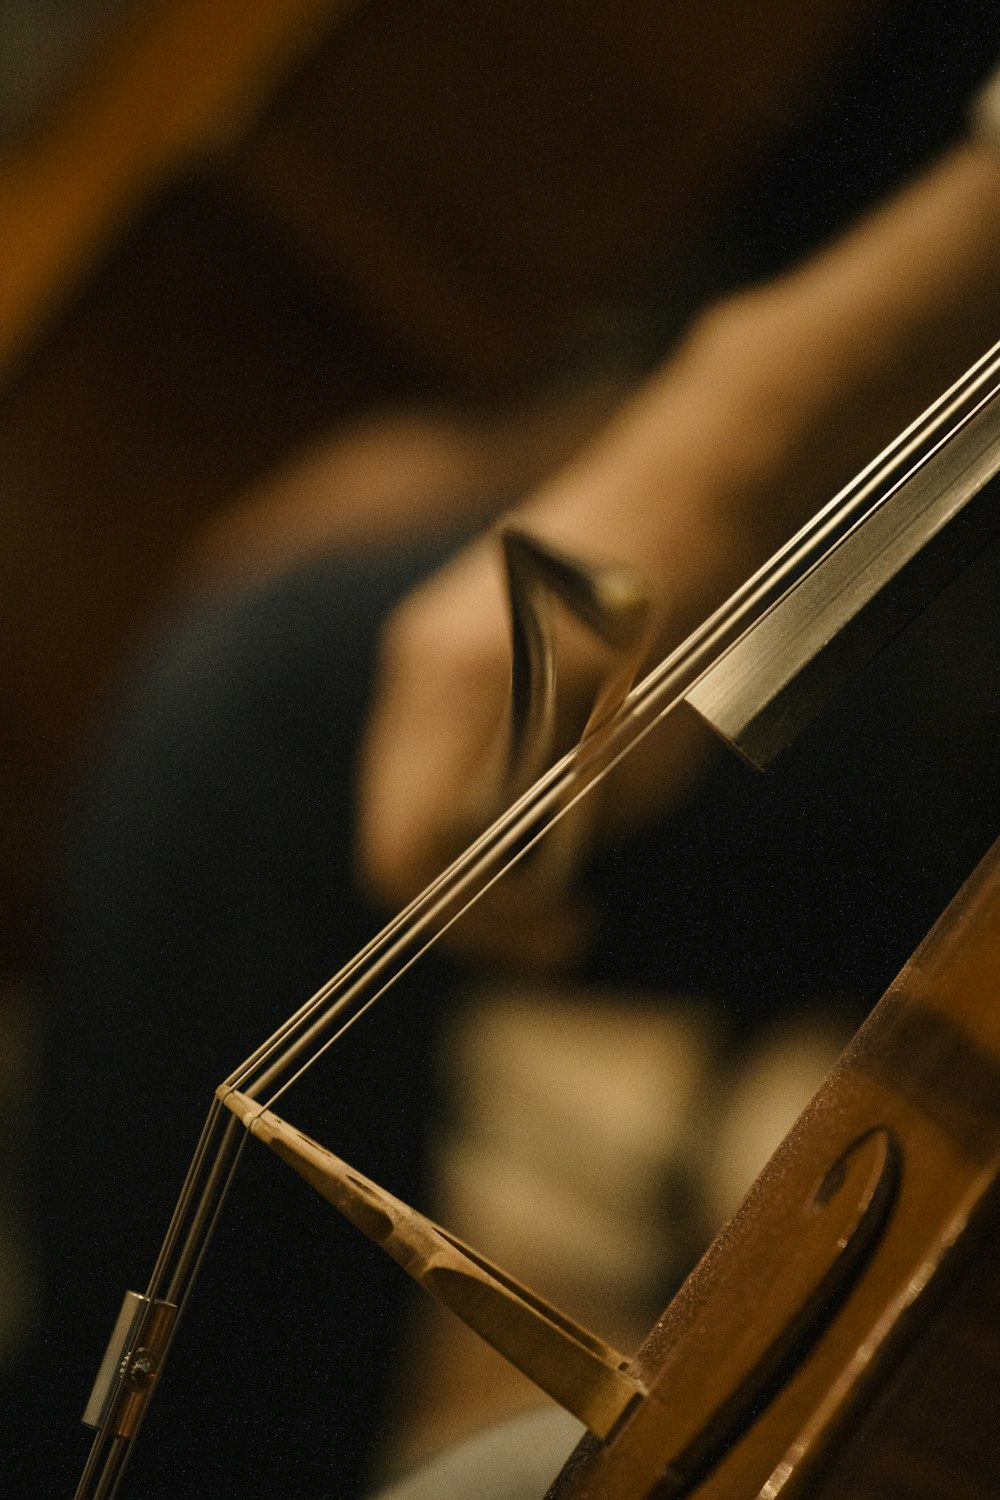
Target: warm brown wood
930,1431
156,396
857,1406
567,1361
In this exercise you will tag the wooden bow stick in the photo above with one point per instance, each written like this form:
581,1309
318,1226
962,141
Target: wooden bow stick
585,1375
573,1365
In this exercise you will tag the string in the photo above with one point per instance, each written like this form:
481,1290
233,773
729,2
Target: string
547,798
433,911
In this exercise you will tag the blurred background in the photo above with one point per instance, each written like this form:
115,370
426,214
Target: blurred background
224,237
303,274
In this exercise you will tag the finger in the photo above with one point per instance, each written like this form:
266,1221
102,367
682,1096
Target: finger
439,708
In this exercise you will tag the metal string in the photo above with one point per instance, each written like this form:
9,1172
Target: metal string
432,912
393,950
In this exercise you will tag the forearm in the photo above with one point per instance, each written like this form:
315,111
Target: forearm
859,338
775,399
780,393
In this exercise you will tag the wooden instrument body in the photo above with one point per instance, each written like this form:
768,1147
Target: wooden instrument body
889,1385
100,414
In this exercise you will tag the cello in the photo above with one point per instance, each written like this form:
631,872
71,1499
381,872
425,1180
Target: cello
833,1243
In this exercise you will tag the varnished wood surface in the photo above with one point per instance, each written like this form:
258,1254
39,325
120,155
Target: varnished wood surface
929,1430
571,1364
884,1393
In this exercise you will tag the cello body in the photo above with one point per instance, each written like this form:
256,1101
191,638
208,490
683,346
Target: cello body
842,1334
255,173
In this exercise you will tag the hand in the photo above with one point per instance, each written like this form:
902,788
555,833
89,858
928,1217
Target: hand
644,494
773,401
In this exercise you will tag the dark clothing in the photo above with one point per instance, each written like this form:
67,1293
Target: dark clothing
207,892
210,894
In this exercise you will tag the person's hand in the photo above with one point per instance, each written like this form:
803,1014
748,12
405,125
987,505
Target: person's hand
668,490
774,400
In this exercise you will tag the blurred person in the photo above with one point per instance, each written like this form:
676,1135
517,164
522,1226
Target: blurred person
209,883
